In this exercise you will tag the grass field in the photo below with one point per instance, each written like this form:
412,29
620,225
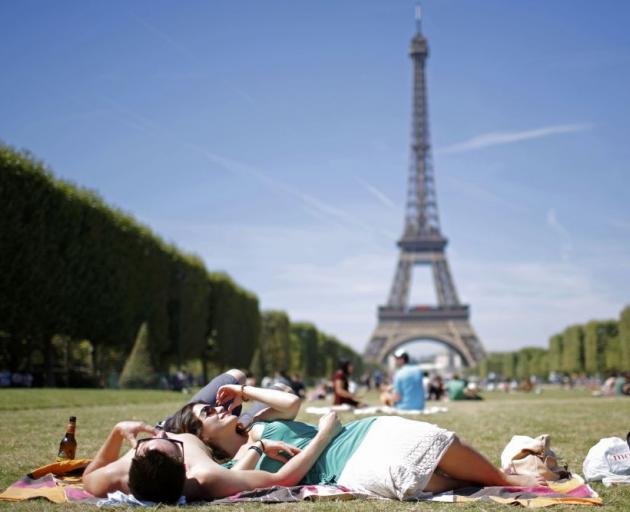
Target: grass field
32,423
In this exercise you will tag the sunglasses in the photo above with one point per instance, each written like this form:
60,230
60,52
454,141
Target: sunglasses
176,442
207,410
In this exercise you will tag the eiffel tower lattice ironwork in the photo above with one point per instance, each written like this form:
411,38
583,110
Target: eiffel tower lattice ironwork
422,243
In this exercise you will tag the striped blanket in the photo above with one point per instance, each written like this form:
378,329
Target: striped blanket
61,484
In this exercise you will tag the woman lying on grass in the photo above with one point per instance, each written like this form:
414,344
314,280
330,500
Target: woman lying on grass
390,457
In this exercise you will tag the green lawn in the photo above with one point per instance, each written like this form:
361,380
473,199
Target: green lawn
32,423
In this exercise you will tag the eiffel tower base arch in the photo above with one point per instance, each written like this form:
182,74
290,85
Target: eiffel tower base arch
456,333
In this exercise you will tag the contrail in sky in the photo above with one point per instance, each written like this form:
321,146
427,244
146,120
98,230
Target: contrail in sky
563,233
311,204
382,198
500,138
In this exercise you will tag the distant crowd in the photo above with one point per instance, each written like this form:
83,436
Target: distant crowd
408,387
16,379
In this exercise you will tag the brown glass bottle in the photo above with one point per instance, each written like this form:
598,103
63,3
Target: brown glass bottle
68,445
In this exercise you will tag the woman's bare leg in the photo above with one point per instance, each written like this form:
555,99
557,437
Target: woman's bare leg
440,483
462,462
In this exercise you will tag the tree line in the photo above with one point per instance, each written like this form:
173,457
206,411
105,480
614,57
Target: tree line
598,347
82,282
299,348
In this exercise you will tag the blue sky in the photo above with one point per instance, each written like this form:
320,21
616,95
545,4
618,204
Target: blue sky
271,138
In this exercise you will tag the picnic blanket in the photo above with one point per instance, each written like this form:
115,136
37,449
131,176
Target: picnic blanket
63,488
372,410
59,482
571,491
276,494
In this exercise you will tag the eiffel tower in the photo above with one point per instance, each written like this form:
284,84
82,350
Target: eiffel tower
422,243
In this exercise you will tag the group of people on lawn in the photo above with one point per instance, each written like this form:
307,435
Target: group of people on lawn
409,389
213,448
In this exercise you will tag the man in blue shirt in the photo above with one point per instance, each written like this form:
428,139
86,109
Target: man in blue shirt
408,390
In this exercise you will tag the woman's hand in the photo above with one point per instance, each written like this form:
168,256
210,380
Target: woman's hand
230,396
279,450
129,430
330,425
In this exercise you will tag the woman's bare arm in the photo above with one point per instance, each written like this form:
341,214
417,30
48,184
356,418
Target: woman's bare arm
215,481
283,406
278,450
249,459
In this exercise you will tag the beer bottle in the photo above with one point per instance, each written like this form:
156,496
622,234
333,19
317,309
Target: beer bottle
68,445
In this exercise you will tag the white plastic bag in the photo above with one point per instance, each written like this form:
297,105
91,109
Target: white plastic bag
609,461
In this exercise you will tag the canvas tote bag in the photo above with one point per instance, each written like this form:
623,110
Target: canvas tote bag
525,455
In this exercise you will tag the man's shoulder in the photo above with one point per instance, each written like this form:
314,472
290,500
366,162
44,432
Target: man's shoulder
201,480
410,370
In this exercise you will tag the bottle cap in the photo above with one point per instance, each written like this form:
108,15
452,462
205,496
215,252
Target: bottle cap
73,419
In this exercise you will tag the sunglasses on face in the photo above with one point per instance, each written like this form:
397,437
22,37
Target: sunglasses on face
206,411
176,442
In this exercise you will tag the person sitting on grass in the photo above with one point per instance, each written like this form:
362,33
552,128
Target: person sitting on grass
457,389
403,454
407,391
341,385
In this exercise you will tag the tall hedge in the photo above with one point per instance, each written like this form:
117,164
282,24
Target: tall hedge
556,346
234,322
539,362
573,349
597,336
139,370
531,361
304,349
276,341
74,266
491,364
509,365
613,356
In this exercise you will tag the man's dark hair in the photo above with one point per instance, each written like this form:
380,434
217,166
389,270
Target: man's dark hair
157,476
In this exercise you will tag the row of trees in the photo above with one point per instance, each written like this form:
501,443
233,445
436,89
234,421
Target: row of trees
598,347
74,269
300,348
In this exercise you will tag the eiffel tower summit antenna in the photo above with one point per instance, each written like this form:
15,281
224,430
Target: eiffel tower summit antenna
422,243
418,18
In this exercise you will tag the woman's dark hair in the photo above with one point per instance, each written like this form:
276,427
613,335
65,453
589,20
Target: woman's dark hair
344,366
184,421
157,476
